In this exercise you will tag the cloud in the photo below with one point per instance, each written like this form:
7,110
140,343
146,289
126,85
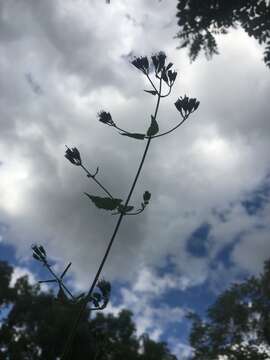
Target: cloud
144,297
19,272
78,52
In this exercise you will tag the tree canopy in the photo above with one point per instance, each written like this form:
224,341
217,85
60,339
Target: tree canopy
37,324
200,20
238,323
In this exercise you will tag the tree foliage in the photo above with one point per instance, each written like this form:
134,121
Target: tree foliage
36,327
200,20
238,323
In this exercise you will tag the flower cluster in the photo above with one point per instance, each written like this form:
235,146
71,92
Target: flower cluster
105,118
162,71
39,253
186,105
168,75
73,155
159,61
142,64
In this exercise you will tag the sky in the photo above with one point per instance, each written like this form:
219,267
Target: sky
61,62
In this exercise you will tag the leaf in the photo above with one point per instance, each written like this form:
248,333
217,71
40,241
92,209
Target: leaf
134,135
105,287
124,209
153,92
105,203
153,129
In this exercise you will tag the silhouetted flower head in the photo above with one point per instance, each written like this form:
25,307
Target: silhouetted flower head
171,76
159,61
73,156
106,118
142,64
186,105
39,253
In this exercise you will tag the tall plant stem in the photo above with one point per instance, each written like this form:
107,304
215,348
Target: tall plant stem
68,347
96,181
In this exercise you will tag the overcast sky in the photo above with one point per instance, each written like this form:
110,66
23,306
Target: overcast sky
208,220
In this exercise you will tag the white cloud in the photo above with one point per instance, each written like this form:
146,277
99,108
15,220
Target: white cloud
144,300
78,53
19,272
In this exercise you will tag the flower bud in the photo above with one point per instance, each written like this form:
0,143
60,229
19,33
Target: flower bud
142,64
73,155
159,61
186,105
105,118
39,253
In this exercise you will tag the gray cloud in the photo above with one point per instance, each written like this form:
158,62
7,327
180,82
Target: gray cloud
76,52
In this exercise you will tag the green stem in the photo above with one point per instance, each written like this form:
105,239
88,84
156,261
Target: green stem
83,306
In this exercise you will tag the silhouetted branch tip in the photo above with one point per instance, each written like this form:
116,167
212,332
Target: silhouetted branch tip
142,64
73,155
105,118
39,253
186,105
159,61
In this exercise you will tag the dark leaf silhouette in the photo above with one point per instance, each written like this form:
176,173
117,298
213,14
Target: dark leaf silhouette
104,203
153,92
153,129
200,21
125,209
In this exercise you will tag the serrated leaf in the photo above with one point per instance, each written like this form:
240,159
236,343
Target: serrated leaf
153,92
105,203
153,129
134,135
